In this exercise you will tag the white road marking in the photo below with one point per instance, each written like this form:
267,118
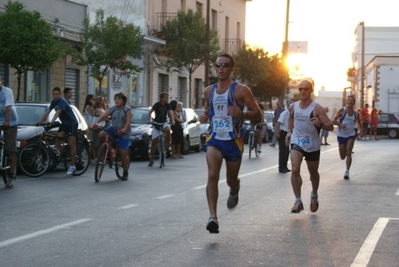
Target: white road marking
366,251
397,192
165,196
41,232
128,206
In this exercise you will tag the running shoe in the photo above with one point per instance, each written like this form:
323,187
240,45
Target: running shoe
346,175
150,164
213,225
314,203
70,171
10,183
232,201
298,206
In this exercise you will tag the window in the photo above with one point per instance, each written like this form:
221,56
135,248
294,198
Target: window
214,20
163,84
199,6
104,86
183,5
37,86
181,89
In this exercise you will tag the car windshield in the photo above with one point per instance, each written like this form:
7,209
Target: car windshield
139,116
29,114
268,116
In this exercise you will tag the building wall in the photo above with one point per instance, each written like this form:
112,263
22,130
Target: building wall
234,9
379,41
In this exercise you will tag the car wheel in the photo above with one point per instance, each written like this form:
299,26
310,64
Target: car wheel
393,133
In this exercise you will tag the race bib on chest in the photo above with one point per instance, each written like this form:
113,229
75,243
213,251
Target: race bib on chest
222,124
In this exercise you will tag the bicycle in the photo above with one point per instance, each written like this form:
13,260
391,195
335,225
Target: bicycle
36,157
161,143
252,140
106,156
4,159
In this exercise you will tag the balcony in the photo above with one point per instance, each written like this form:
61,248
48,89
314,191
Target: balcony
162,18
232,46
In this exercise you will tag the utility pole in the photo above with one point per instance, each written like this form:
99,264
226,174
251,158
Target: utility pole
208,8
285,48
362,66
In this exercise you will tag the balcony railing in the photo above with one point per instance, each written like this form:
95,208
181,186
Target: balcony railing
232,46
162,18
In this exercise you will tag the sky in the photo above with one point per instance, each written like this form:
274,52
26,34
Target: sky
327,25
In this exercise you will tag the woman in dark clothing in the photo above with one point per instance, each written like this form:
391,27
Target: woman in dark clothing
177,130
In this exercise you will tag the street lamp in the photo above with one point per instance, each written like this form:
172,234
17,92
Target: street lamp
285,47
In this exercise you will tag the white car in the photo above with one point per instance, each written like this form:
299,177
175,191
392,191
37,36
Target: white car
191,131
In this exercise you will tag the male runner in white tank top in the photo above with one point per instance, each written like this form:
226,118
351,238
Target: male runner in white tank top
304,123
224,102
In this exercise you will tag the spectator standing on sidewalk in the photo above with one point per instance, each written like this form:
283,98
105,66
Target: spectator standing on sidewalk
347,119
324,133
374,117
365,120
68,94
304,124
276,116
283,148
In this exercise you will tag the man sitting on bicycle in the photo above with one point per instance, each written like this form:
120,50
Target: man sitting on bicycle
121,116
161,108
259,124
69,125
9,121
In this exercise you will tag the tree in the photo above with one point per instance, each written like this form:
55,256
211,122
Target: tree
278,79
266,76
186,45
27,41
108,44
252,65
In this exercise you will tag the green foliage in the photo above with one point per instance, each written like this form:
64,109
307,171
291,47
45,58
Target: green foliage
252,65
27,41
185,38
107,44
267,76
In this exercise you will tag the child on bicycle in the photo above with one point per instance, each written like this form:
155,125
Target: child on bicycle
121,116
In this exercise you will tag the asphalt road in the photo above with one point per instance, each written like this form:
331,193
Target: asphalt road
158,216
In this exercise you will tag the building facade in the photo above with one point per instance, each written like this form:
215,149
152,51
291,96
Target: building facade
142,89
66,18
381,53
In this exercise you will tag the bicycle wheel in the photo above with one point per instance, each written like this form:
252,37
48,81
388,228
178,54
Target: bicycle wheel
4,163
118,164
33,160
250,143
161,150
101,161
82,159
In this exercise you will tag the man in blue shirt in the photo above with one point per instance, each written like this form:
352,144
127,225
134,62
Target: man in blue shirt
9,123
69,124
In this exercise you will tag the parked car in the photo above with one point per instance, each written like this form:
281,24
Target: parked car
191,131
388,124
30,113
140,138
269,123
204,126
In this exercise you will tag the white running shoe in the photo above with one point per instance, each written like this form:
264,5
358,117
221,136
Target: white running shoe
70,171
259,149
346,175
